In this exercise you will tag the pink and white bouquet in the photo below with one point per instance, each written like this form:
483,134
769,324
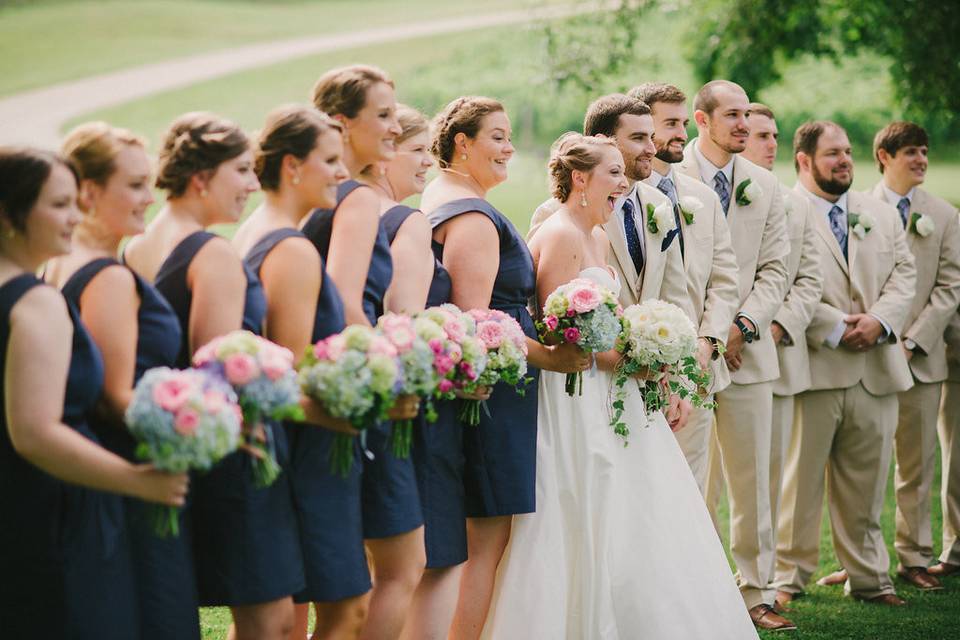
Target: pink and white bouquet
182,420
355,375
418,375
265,381
506,346
583,313
660,338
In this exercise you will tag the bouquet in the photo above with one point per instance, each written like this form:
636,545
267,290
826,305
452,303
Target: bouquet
417,372
583,313
355,375
263,377
182,420
659,337
506,347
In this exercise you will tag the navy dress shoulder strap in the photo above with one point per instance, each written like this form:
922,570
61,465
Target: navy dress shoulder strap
77,283
454,208
183,254
10,293
319,226
262,247
394,218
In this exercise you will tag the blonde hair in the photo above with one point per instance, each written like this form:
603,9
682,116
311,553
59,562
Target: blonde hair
93,148
412,122
343,91
573,152
197,141
291,129
463,115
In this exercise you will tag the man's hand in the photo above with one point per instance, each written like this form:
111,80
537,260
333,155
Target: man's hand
734,348
704,353
862,332
777,332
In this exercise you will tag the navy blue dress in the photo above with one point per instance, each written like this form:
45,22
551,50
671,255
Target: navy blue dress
165,584
437,449
64,558
501,452
327,505
246,543
391,505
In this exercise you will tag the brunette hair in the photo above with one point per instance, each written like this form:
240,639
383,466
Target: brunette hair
412,122
23,172
706,98
761,110
197,141
573,152
896,136
603,114
653,92
290,130
807,137
463,115
343,91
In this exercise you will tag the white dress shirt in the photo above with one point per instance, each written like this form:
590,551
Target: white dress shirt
708,170
893,197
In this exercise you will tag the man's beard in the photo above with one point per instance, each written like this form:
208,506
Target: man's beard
635,171
670,157
829,185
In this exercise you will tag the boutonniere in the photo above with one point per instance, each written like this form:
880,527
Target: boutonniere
689,207
861,223
747,192
660,218
921,224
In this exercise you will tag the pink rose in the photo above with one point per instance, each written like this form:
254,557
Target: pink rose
455,330
380,346
320,350
436,345
240,369
456,353
336,345
401,336
443,364
171,394
571,313
585,299
551,322
479,314
467,369
206,353
276,362
186,421
445,386
213,401
490,333
572,334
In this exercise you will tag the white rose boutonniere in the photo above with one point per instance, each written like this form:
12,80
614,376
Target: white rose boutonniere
921,224
689,207
861,223
747,192
660,218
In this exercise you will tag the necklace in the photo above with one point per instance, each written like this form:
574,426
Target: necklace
472,182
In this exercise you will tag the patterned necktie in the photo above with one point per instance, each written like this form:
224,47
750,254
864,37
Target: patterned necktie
668,189
904,207
633,238
838,228
722,186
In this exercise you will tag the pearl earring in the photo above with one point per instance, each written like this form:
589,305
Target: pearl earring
463,156
203,193
583,199
296,180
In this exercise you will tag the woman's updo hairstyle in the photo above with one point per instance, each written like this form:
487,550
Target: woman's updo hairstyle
412,122
93,148
343,91
292,129
463,115
196,142
23,172
573,152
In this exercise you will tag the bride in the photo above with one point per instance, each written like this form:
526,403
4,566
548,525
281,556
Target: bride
621,545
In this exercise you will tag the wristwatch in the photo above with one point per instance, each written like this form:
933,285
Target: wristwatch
749,335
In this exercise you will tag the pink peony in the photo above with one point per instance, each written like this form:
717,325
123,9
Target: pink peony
585,299
320,350
479,314
276,362
186,421
213,401
467,369
455,330
572,334
401,336
436,345
551,322
491,334
240,369
336,345
380,346
171,394
206,353
445,386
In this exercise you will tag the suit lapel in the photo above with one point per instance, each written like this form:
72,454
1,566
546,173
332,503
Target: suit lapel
652,264
854,205
822,228
688,165
618,245
683,225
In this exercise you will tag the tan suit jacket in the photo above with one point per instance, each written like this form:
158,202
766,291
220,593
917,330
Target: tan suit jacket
805,287
937,259
878,277
758,233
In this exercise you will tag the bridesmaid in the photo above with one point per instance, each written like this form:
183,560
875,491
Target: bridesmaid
490,267
136,330
62,557
299,165
246,547
353,242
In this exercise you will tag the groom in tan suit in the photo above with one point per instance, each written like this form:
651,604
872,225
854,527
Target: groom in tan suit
857,368
750,197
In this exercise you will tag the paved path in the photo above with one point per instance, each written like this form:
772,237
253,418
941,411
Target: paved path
36,117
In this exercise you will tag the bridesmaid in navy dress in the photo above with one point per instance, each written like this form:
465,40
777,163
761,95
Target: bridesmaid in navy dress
490,267
63,554
136,330
437,448
353,242
298,162
246,545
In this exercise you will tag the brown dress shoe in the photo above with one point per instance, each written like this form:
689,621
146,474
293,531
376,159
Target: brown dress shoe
764,617
833,579
920,578
944,569
887,600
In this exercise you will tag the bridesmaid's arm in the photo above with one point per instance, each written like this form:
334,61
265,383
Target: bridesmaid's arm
218,286
37,362
351,246
471,254
412,266
108,308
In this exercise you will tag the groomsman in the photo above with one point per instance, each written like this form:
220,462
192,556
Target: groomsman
849,416
950,451
750,198
804,286
710,263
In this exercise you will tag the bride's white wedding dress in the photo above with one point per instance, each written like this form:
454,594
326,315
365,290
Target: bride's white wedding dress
621,545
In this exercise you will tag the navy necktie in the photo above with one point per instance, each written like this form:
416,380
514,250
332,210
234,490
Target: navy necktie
722,186
633,237
904,207
668,189
838,228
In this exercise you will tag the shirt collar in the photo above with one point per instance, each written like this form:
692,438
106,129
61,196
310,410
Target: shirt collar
825,206
893,197
708,170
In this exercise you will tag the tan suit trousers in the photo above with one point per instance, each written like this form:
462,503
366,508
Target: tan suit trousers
915,448
950,469
849,434
784,413
694,440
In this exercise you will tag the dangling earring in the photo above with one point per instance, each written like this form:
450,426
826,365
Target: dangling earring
203,193
463,156
295,180
583,199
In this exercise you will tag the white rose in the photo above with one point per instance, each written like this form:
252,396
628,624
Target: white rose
924,226
752,191
689,206
663,216
866,221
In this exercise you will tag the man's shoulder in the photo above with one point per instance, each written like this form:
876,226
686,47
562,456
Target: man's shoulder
743,169
926,202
